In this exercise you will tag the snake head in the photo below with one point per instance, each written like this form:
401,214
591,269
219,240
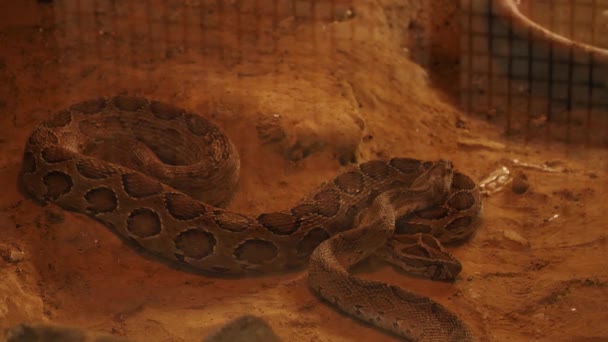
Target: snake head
436,181
422,255
430,188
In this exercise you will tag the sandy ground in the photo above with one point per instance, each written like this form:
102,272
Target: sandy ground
300,102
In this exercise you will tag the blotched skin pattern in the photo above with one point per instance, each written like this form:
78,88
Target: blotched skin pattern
158,175
388,307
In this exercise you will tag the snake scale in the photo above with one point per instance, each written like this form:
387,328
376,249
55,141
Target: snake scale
159,175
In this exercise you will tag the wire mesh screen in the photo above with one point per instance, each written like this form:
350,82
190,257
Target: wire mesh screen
229,30
513,77
534,85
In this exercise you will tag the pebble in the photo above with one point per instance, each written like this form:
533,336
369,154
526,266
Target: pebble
520,183
515,237
539,315
246,328
16,256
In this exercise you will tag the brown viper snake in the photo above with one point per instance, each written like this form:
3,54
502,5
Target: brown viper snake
157,175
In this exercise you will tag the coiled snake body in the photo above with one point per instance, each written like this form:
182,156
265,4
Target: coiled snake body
157,175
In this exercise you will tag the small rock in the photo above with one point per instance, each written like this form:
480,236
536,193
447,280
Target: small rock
245,328
344,14
554,163
539,315
520,183
461,123
54,217
515,237
16,256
